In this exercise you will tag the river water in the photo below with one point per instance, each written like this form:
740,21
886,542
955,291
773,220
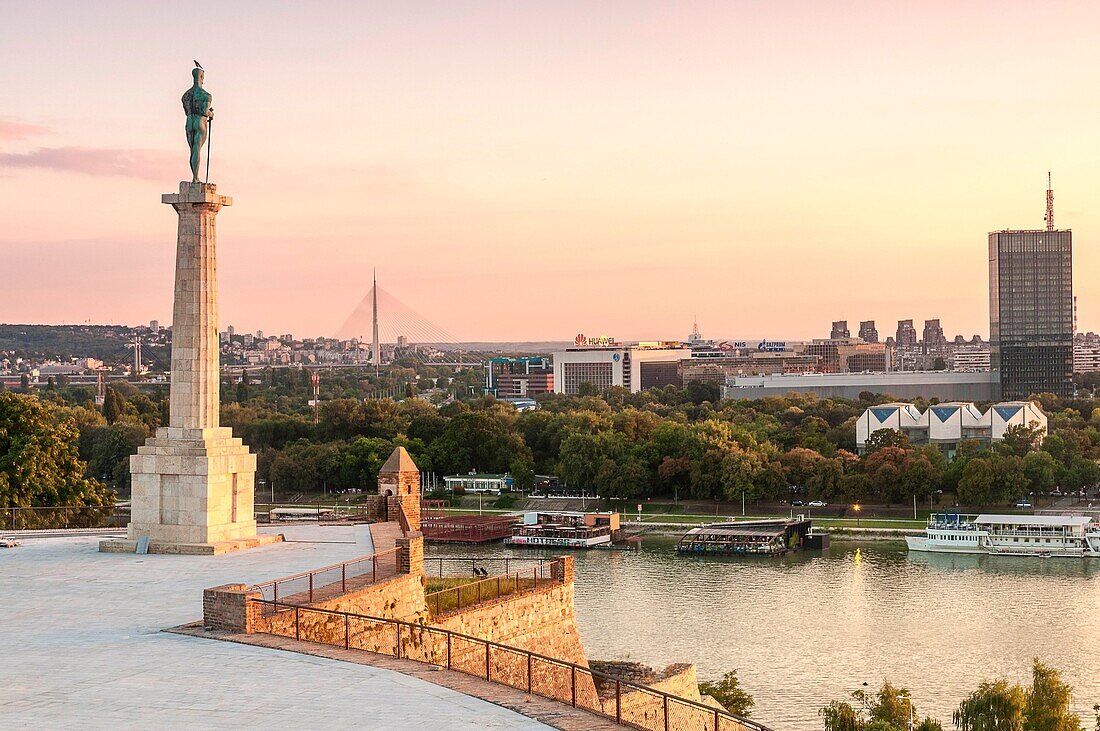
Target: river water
811,627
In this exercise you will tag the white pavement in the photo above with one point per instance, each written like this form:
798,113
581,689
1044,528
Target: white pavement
81,646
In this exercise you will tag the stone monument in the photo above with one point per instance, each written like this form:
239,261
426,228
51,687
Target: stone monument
192,484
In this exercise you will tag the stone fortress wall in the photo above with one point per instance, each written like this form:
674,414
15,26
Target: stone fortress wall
540,619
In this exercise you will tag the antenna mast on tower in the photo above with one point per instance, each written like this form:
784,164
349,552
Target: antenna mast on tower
1050,204
375,356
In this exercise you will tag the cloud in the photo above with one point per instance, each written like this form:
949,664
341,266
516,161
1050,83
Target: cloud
146,164
11,130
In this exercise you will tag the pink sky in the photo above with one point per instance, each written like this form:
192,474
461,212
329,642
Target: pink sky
530,170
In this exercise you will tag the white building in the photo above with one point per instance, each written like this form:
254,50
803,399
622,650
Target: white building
944,385
970,358
947,424
1086,358
634,367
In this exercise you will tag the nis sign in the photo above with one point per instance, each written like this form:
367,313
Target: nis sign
594,341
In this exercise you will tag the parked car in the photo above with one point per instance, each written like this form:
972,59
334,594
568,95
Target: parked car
1056,493
818,503
1024,503
797,503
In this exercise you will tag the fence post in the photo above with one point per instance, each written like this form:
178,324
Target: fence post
666,711
479,592
276,583
297,630
528,673
498,587
486,660
448,650
343,578
715,719
347,633
398,654
619,702
374,568
310,587
573,684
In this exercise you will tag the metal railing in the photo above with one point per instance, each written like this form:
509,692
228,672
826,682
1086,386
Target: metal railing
454,598
628,704
475,563
64,518
332,581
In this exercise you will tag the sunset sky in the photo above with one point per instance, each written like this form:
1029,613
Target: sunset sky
531,170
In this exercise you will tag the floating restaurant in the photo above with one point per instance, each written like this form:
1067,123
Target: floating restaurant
747,537
566,530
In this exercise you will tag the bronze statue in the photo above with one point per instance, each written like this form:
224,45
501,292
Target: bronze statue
197,105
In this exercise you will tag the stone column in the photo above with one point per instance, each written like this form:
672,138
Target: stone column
192,484
195,376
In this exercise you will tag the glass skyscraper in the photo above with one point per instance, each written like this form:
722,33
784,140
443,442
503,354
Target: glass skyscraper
1031,311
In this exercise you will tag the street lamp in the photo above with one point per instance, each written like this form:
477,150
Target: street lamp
856,509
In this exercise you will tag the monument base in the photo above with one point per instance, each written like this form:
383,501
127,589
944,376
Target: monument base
192,487
125,545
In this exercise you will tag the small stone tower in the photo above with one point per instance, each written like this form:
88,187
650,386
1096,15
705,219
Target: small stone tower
399,484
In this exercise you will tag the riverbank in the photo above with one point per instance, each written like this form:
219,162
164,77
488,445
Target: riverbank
676,530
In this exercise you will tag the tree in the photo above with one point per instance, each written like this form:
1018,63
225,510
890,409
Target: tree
1048,702
976,484
39,462
841,716
1039,469
107,451
994,706
698,392
523,474
883,438
729,693
1019,439
113,405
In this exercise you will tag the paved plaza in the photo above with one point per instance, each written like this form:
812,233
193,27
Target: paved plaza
83,647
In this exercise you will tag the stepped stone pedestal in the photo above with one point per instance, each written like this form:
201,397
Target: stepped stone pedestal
193,483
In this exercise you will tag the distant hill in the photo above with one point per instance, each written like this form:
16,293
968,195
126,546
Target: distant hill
104,342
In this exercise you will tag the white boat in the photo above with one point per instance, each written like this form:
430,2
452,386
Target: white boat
1010,535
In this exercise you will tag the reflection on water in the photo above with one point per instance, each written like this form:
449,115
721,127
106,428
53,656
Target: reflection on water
806,628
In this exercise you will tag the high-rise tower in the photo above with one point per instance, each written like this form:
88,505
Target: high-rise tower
1031,309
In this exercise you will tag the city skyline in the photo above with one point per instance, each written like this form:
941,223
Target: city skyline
600,158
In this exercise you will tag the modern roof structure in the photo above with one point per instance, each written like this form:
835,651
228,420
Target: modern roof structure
948,423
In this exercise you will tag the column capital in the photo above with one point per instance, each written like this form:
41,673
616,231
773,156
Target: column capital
196,193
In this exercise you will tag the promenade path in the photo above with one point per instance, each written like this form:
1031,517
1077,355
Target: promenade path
83,648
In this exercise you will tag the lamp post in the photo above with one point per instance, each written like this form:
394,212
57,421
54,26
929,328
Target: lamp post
856,508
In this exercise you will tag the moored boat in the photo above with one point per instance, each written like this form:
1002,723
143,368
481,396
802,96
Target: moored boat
1010,535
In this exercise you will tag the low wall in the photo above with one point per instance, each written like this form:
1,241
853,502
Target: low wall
401,597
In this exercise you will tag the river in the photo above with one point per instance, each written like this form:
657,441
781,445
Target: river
811,627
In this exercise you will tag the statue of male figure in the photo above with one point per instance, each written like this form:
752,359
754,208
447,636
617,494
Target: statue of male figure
197,105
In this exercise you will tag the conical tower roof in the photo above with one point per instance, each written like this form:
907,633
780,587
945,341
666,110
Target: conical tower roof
399,461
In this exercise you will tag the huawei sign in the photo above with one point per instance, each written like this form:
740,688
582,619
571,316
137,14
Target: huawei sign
580,340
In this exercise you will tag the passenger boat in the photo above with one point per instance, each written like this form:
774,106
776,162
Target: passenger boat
565,530
1010,535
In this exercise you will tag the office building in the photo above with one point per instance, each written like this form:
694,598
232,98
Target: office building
1031,311
840,330
906,334
933,335
634,367
867,331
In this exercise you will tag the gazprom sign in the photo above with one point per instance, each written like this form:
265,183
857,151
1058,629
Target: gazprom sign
772,346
